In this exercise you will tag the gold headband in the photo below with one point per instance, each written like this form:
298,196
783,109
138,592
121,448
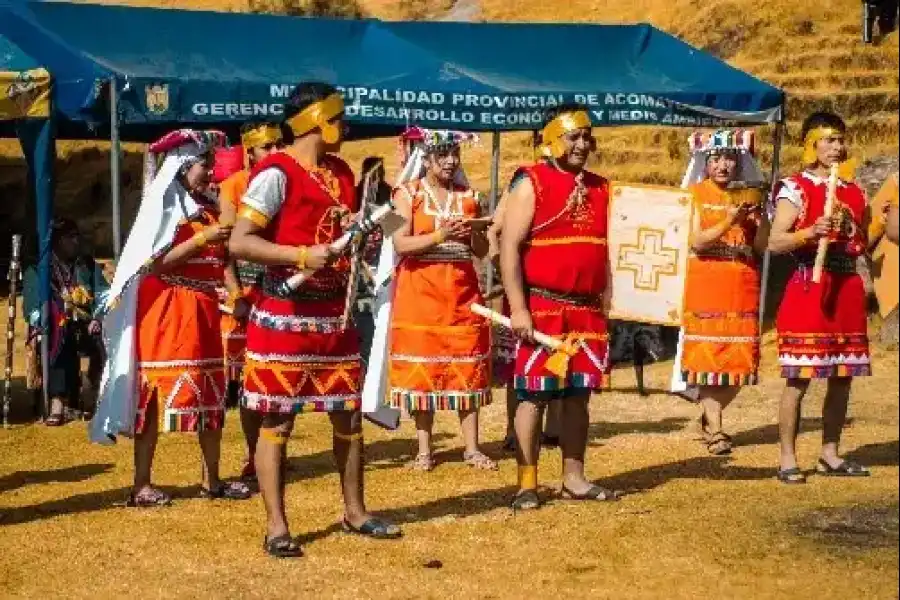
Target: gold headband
565,123
260,137
846,170
560,126
317,115
814,137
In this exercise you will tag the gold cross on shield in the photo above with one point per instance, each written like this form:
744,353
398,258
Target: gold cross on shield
648,259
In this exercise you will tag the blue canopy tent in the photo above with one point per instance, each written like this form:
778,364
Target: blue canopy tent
171,67
436,74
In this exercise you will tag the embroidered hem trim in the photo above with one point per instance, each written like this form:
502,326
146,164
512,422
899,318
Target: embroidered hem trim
720,379
415,400
825,372
268,403
580,381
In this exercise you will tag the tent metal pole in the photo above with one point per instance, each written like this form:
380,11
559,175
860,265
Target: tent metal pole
777,140
493,199
115,153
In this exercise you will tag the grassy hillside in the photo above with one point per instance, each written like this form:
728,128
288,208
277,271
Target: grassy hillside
811,48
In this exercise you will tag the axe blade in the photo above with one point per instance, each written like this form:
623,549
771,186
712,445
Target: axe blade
385,417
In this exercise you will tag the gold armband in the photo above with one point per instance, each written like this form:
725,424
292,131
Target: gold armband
302,255
199,239
254,216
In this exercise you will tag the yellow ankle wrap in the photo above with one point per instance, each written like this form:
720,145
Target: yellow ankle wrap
527,477
348,437
274,436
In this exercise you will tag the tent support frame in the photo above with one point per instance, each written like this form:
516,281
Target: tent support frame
115,153
777,141
493,200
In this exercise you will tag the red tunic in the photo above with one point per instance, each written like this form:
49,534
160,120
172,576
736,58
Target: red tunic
300,357
564,267
822,326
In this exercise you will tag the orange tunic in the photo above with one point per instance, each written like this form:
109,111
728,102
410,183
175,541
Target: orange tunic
721,319
179,355
234,331
440,350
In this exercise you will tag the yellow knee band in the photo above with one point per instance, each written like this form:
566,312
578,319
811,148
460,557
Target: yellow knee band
348,437
274,436
528,477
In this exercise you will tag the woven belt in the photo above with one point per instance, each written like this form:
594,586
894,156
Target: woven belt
199,285
446,252
727,252
573,299
834,263
272,287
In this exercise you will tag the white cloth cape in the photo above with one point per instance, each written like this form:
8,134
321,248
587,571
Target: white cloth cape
164,204
375,388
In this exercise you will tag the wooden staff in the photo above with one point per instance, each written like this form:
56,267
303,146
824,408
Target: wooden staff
822,251
11,324
541,338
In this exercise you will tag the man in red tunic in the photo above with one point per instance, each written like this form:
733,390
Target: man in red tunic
555,267
821,326
301,355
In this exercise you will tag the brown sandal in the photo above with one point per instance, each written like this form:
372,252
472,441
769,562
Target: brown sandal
719,444
152,498
479,460
422,462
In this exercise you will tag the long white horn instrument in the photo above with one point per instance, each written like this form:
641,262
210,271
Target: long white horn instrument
822,250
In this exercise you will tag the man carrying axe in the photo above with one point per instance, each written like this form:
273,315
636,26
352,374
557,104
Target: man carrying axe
822,334
555,267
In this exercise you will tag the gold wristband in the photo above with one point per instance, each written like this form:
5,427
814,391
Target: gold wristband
801,236
438,236
199,239
302,253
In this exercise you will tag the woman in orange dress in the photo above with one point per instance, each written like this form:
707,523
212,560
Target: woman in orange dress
167,295
720,345
439,349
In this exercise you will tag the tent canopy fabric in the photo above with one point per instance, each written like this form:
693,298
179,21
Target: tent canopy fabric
24,85
174,66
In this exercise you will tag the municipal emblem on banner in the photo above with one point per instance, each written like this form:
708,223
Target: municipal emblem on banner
157,98
649,243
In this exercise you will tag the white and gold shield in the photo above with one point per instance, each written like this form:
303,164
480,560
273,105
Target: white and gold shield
649,242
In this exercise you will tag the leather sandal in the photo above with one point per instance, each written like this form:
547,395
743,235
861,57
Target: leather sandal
526,500
479,460
792,476
719,444
282,546
595,492
847,468
232,490
375,528
153,498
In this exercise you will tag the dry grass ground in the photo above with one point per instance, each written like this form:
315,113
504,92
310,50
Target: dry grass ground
693,526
